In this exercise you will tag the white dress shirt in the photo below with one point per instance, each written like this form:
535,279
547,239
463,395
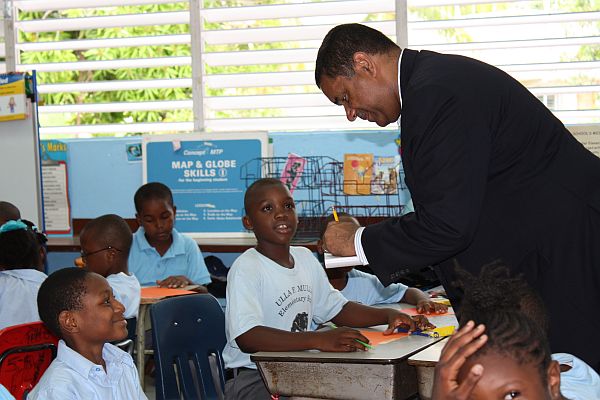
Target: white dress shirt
73,377
18,296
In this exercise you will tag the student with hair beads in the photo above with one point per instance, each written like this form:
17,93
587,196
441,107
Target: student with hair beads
21,262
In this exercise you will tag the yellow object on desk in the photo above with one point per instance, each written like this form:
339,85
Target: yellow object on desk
442,331
440,300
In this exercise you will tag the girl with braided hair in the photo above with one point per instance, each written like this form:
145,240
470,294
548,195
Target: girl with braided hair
512,360
21,262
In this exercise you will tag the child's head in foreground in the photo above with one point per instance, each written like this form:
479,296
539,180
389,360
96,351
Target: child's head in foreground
78,306
516,358
155,211
105,243
8,212
20,246
270,212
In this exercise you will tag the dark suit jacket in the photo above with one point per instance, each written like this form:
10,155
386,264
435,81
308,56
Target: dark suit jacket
494,175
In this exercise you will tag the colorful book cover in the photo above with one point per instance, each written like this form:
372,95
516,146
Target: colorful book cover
385,174
357,173
12,97
292,171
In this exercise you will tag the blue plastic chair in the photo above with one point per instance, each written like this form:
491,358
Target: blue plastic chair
189,336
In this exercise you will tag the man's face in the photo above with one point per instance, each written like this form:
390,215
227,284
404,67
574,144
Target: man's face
363,96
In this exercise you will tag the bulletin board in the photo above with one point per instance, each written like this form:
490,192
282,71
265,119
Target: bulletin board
20,176
204,173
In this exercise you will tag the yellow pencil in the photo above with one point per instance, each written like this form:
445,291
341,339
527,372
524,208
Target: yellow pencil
335,216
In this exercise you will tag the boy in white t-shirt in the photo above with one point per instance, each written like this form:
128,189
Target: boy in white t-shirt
275,290
105,243
366,288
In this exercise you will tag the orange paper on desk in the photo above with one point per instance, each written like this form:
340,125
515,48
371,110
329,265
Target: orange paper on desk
376,338
160,292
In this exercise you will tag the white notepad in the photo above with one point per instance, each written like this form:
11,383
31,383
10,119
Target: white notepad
332,261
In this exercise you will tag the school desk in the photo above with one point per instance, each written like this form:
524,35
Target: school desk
150,296
381,373
425,362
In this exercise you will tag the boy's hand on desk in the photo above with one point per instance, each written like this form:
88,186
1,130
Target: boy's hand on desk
431,307
174,282
397,319
341,340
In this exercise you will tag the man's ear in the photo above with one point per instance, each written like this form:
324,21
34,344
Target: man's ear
68,322
247,223
174,210
364,63
554,380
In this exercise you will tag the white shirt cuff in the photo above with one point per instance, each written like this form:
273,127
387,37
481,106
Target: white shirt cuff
358,246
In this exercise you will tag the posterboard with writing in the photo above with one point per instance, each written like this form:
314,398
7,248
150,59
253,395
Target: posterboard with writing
204,173
57,209
588,135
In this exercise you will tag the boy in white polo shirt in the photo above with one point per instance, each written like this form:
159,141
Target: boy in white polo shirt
105,243
78,306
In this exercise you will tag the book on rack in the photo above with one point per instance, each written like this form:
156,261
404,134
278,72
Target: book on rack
332,261
292,171
357,173
386,170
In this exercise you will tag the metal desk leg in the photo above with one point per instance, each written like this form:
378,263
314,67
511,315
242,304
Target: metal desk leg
141,342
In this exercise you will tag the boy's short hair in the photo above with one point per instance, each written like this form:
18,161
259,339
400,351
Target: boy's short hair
257,186
152,191
63,290
8,212
110,230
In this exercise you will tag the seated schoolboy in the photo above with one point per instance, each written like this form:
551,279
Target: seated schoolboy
276,290
21,262
159,254
8,212
105,243
78,306
366,288
497,290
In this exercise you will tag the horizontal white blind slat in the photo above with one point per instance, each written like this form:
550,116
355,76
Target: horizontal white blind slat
43,5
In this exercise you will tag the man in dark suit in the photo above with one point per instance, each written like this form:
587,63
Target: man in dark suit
492,172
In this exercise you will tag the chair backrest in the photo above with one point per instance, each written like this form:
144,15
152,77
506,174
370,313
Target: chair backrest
26,351
188,335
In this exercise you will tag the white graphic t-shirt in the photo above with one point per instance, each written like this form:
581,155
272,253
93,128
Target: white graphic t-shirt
261,292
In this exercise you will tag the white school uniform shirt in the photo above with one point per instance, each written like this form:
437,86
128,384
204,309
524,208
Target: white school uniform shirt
127,290
581,382
73,377
261,292
366,289
5,394
18,296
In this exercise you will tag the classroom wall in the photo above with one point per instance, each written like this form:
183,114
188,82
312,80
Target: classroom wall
103,181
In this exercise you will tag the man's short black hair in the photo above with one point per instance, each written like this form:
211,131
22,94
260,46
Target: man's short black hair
335,56
110,230
257,186
152,191
62,291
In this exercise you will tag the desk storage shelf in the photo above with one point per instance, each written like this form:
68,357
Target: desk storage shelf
318,186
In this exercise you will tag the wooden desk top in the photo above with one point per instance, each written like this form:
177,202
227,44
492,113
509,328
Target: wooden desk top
428,357
386,353
211,245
